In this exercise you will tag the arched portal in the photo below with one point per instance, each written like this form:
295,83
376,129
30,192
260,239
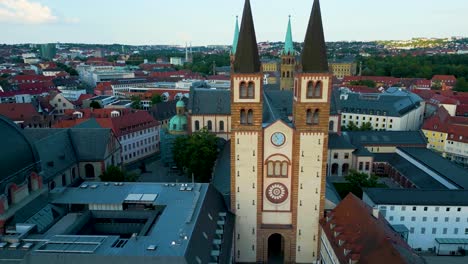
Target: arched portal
334,170
276,249
89,171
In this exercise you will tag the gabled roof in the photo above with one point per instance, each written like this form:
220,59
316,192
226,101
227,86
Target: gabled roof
314,54
365,238
18,112
247,59
209,102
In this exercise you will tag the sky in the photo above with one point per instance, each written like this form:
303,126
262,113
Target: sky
211,22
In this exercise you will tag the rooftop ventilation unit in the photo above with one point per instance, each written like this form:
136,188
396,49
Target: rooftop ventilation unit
14,245
84,186
3,245
27,246
94,186
151,248
106,184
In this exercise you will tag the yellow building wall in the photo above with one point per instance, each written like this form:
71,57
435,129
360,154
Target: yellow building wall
436,140
270,66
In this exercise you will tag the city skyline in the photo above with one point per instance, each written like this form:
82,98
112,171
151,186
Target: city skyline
145,22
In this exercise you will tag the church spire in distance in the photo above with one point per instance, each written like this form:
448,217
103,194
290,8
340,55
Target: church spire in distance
314,53
236,37
247,59
288,42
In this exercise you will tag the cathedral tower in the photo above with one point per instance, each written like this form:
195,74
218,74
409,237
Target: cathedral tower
278,165
311,111
288,61
232,53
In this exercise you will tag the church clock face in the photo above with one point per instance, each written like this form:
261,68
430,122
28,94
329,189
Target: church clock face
278,139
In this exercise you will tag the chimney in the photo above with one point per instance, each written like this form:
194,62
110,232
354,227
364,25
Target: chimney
375,212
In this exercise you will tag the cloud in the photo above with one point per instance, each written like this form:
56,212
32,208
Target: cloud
71,20
25,12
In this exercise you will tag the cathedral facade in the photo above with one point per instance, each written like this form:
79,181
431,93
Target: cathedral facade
278,165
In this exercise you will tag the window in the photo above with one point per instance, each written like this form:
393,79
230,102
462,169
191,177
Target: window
335,155
392,208
458,209
455,231
284,169
446,219
270,167
210,125
243,90
413,218
412,230
390,218
444,231
316,117
251,90
425,208
457,219
318,89
434,230
403,208
361,165
310,89
250,117
197,125
466,231
367,166
424,219
437,209
414,208
243,117
309,117
346,155
423,230
331,125
402,218
436,219
277,168
447,209
221,125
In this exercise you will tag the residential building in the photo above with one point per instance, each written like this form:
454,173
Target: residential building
25,115
456,147
270,66
92,75
429,216
448,80
393,110
103,100
379,80
354,232
60,103
178,61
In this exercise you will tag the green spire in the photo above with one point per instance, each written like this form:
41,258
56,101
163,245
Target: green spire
288,42
236,37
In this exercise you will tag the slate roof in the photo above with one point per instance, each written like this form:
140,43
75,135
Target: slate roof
56,151
382,138
336,141
449,170
166,110
418,196
210,101
314,53
277,105
222,174
392,104
414,174
247,59
90,144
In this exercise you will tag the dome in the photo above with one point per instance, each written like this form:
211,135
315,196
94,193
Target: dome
180,103
17,153
178,123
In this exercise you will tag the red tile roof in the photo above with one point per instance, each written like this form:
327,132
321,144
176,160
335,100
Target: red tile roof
462,110
365,238
18,112
449,78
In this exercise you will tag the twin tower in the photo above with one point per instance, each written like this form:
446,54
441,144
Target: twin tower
278,163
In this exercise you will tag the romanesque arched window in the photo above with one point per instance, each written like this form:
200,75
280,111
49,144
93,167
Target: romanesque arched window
318,89
243,90
221,125
309,117
251,90
316,117
250,117
243,117
310,89
197,125
210,125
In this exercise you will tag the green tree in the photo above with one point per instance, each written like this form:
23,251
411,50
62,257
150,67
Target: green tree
358,180
156,99
115,174
136,102
462,85
368,83
95,105
351,127
367,126
437,85
196,154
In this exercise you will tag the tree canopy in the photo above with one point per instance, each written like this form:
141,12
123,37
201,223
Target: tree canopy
196,154
358,180
95,105
136,102
115,174
156,99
